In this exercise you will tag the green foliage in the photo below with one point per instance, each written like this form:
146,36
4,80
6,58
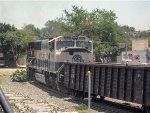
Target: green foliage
81,107
128,29
52,28
20,37
3,29
19,76
105,50
98,25
33,29
143,34
6,27
17,41
13,42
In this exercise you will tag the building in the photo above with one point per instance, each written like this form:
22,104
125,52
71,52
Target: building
140,44
138,54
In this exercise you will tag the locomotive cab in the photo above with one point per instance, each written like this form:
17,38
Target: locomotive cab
74,49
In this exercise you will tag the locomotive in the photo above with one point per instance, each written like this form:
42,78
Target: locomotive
45,57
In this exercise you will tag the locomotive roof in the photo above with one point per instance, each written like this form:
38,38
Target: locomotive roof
70,38
55,38
58,37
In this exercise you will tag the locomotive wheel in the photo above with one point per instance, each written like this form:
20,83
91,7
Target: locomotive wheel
53,81
94,98
47,79
102,98
80,95
30,73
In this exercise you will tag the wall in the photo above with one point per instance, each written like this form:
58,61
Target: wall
22,60
140,44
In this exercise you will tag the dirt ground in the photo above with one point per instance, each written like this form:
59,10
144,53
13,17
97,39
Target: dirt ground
7,72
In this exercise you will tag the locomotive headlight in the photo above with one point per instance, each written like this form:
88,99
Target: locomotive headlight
77,58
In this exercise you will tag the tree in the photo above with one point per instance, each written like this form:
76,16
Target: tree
128,29
52,28
16,43
13,42
144,34
98,25
32,28
3,29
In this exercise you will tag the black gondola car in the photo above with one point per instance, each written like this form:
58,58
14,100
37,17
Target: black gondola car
128,83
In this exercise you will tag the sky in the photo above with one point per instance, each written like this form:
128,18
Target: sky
20,13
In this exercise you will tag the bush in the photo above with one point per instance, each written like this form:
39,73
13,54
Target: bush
81,107
19,76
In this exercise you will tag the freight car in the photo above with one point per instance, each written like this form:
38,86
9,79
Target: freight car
45,57
128,83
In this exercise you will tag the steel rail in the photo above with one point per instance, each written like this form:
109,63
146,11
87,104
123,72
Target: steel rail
4,103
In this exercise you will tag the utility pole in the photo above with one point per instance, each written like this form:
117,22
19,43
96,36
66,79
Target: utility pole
126,45
89,90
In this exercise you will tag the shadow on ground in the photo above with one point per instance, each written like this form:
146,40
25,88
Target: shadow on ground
104,106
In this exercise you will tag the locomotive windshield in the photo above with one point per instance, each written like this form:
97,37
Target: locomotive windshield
64,44
87,45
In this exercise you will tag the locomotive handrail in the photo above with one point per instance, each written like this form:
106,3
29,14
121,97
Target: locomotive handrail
61,67
4,103
30,62
59,70
58,73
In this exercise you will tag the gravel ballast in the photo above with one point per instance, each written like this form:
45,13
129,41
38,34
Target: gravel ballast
26,97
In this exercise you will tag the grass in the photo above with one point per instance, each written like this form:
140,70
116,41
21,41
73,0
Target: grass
83,111
81,108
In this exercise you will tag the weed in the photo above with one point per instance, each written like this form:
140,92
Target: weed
81,107
19,76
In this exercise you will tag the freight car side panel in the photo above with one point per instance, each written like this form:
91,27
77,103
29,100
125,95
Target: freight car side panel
114,82
92,78
96,82
67,74
77,77
138,86
129,83
128,89
121,83
72,77
82,78
102,81
147,88
86,80
108,81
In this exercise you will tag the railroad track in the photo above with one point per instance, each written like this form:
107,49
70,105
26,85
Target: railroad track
20,96
98,105
22,104
25,104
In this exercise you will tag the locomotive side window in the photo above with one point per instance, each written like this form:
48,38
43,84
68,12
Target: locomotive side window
64,44
51,45
37,45
87,45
